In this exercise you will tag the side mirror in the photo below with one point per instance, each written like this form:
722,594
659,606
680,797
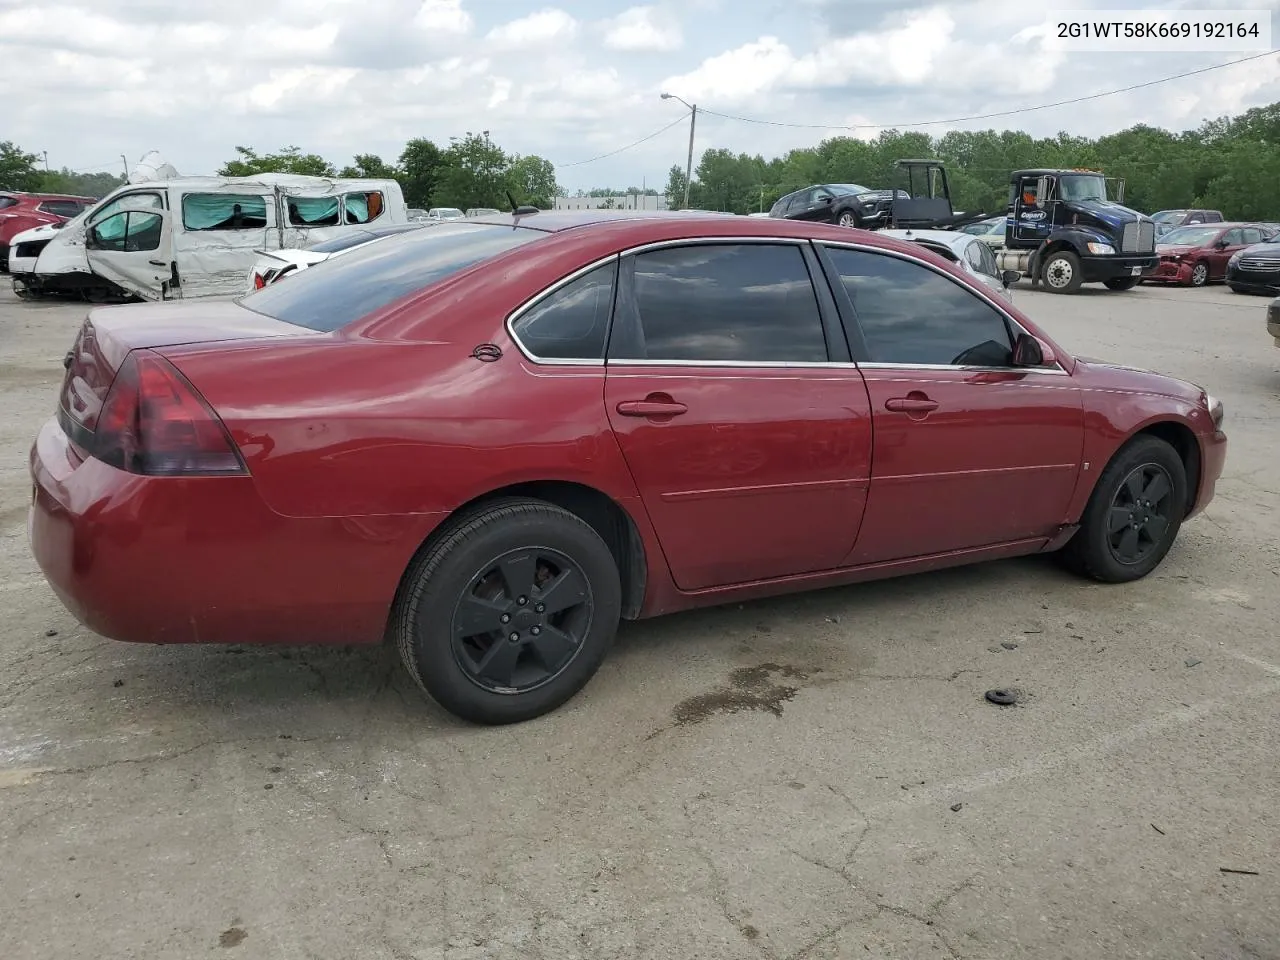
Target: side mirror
91,239
1030,352
1010,277
826,198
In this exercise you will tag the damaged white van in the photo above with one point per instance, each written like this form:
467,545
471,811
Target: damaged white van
175,237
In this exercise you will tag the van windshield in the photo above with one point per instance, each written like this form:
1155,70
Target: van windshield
341,290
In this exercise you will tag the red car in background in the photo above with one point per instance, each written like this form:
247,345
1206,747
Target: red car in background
490,441
23,211
1198,253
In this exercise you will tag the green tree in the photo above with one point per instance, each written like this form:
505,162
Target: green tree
286,160
17,168
420,163
533,181
473,173
369,166
96,185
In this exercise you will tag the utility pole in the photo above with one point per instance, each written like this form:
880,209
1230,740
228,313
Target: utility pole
693,120
46,160
125,160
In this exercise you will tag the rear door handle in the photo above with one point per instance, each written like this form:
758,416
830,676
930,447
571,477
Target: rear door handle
157,263
913,404
651,408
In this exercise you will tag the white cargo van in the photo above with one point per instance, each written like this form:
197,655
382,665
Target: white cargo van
188,237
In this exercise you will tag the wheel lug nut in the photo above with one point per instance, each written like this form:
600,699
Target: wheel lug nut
522,600
539,608
506,618
514,637
536,630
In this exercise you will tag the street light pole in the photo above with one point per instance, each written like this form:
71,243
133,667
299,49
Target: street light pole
688,167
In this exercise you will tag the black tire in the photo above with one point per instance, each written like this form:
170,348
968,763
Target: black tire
440,579
1062,272
1200,274
1236,288
1092,552
846,218
1122,283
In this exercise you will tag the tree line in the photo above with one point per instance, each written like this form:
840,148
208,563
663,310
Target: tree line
1230,164
472,171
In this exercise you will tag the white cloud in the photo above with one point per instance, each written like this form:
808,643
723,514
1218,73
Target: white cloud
541,27
643,29
341,77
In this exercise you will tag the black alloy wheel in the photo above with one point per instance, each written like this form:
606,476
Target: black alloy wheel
521,620
1133,515
508,610
1139,516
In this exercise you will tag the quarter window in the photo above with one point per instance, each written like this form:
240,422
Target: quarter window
749,303
572,322
223,211
911,315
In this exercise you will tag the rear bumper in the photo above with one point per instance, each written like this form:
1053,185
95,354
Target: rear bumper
204,560
1098,269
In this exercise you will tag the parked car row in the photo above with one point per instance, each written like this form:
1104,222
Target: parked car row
1195,255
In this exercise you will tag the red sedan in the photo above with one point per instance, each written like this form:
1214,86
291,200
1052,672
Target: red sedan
489,441
1197,254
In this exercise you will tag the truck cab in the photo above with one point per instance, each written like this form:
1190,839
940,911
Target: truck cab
1064,229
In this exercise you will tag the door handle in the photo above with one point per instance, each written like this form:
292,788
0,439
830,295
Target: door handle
651,408
916,403
157,263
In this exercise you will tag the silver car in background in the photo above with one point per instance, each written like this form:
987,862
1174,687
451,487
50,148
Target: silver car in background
970,252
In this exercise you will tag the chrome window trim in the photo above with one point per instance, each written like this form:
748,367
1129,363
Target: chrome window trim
537,298
509,324
988,298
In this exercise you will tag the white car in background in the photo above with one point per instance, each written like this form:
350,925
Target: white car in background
990,232
273,265
973,255
445,213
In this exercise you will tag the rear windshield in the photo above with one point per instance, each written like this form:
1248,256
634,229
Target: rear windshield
337,292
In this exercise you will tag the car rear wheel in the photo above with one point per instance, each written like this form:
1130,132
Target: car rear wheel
510,612
1062,273
1133,515
1200,274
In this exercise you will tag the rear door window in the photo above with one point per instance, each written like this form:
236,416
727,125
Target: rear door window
341,290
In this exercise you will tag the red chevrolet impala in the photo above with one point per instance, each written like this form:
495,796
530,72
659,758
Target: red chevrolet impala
490,441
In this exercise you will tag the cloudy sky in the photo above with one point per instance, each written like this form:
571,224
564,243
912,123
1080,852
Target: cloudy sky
568,79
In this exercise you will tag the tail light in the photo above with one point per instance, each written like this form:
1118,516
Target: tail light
154,423
259,281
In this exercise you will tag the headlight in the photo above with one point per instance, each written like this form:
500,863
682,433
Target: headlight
1101,249
1216,412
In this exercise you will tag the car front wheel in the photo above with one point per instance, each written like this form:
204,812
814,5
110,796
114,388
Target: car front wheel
847,218
1133,515
1200,274
510,613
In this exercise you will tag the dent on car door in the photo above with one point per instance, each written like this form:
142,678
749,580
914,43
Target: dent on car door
746,429
970,450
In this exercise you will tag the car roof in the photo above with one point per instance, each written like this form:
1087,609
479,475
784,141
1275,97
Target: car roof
949,238
555,221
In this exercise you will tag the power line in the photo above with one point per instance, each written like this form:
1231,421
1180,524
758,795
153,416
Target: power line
611,153
982,116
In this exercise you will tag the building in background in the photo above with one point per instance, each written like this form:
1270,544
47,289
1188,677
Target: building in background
629,201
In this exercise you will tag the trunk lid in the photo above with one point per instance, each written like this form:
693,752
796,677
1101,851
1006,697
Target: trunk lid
110,333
